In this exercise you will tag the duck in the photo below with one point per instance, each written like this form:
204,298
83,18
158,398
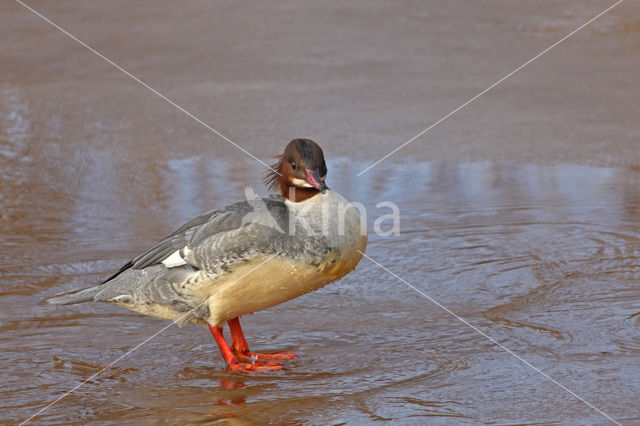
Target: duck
245,257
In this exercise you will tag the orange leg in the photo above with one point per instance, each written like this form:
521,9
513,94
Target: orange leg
232,360
240,346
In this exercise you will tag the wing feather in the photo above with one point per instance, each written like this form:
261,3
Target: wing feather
208,228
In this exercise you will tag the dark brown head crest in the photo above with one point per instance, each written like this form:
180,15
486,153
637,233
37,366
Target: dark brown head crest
271,178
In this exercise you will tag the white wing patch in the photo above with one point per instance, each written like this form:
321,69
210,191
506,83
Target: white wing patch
174,260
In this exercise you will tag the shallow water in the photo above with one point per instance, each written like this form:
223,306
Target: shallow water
542,259
520,215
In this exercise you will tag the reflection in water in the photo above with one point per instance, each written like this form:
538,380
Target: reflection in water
228,384
544,259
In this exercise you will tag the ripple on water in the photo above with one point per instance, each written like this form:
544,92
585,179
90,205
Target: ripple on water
543,259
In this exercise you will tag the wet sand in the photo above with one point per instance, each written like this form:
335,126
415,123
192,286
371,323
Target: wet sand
520,213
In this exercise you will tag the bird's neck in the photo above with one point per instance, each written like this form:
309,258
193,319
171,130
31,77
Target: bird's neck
296,194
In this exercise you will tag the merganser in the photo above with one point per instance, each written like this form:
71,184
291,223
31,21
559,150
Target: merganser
245,257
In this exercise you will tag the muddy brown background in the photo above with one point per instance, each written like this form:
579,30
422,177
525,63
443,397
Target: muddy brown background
519,213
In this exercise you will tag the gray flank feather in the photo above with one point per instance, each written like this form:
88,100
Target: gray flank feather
75,296
217,241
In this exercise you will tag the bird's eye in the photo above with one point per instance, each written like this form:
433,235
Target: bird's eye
293,164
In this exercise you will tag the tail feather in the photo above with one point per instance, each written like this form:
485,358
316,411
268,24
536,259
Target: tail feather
76,296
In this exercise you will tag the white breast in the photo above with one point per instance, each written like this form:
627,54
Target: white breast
333,217
282,279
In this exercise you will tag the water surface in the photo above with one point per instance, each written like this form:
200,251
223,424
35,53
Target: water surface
542,259
520,214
